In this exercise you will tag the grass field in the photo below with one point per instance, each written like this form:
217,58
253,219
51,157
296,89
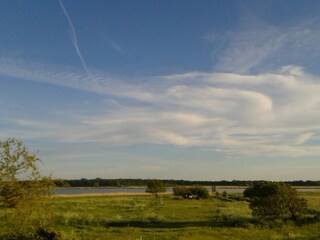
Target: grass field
145,217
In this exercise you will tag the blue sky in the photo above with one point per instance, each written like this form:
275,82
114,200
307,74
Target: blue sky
199,90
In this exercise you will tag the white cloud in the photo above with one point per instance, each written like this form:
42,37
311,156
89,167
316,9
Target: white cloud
270,113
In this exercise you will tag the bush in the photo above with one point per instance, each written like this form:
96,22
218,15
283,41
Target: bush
191,192
200,192
182,191
274,200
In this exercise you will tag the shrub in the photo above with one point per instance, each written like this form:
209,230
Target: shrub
181,191
274,200
200,192
191,192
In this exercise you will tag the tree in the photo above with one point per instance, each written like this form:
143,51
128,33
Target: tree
275,200
22,187
155,186
20,179
296,206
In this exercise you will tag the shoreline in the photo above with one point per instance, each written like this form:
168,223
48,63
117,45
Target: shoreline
119,191
119,194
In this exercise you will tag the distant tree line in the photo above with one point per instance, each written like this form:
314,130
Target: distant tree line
99,182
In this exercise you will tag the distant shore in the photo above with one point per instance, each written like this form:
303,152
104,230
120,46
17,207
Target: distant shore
104,194
117,191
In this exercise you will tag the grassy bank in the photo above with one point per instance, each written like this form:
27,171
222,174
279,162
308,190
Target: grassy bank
145,217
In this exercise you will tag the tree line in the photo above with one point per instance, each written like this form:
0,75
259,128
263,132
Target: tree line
121,182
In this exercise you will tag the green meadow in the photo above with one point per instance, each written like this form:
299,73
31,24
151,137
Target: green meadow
167,217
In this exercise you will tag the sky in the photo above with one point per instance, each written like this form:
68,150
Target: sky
183,89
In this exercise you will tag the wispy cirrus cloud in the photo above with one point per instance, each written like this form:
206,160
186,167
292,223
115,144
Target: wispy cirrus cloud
97,83
257,45
272,113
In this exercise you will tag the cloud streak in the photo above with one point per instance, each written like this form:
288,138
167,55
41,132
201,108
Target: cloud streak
74,38
115,46
96,83
258,46
270,114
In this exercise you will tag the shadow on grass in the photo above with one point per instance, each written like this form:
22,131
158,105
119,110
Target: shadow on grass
218,221
226,222
312,216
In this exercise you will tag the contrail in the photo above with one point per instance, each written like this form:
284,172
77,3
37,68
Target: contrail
74,38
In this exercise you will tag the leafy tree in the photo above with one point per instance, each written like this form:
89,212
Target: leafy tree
155,186
20,179
275,200
22,187
296,205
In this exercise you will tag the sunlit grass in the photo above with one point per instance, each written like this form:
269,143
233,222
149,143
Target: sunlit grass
147,217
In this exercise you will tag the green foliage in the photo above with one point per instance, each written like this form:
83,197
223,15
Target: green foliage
155,186
199,192
20,179
275,200
191,192
181,191
26,219
61,183
22,190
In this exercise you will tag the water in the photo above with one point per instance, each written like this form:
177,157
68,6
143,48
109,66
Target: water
97,190
72,191
75,191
